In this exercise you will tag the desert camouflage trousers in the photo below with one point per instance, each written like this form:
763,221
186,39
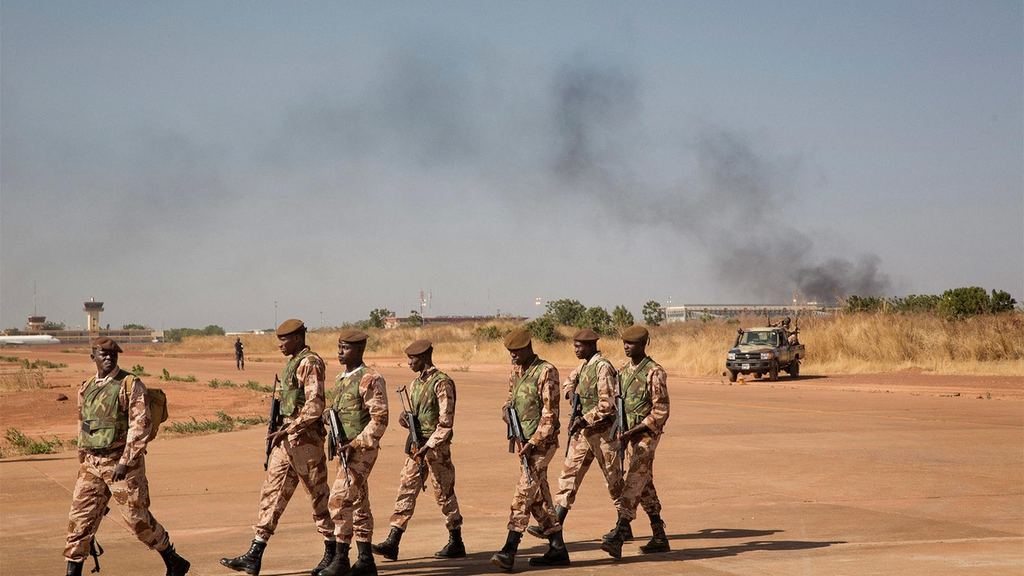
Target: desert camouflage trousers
439,467
584,448
534,497
350,501
288,465
93,490
638,487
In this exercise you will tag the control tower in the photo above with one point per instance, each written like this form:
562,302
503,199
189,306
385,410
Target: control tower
93,309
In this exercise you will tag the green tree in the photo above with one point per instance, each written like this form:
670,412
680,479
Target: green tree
597,319
960,303
54,326
415,319
653,315
135,327
566,312
543,329
915,303
377,318
856,303
621,317
1001,302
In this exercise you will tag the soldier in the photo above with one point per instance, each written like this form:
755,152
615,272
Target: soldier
595,382
239,355
644,386
114,428
432,398
533,395
361,401
297,451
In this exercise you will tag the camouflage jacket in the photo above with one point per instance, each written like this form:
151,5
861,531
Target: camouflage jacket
597,388
133,402
371,396
654,390
440,398
310,375
546,399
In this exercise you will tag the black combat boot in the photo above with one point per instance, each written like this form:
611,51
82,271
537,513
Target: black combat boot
557,555
176,565
74,568
536,532
364,566
250,561
626,537
339,563
507,556
389,547
613,545
455,548
329,547
659,541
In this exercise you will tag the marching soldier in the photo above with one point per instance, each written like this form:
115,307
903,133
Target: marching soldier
533,396
114,428
432,399
297,452
361,401
588,439
645,391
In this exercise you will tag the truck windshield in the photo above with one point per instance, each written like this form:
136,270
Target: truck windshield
759,339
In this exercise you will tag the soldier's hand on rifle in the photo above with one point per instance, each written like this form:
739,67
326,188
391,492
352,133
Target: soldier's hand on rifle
120,473
568,393
577,425
420,454
504,413
634,432
81,456
276,437
526,450
403,420
347,449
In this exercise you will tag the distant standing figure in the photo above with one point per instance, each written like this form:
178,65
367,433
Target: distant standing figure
239,355
432,395
114,426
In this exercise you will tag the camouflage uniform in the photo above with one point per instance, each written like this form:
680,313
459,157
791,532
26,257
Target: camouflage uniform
433,402
361,400
301,455
114,423
533,393
645,388
595,381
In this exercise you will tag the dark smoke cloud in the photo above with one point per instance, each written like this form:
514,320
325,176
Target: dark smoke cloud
736,207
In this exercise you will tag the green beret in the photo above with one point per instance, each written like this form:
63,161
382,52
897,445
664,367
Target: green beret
517,339
634,333
105,343
352,336
290,326
586,335
418,347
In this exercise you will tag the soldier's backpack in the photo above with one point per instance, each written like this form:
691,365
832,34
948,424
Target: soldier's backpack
157,401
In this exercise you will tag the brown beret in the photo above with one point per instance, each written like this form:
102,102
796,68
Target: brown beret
105,343
289,326
353,336
586,335
517,339
634,333
418,347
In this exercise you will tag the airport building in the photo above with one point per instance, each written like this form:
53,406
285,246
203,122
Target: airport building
688,312
36,327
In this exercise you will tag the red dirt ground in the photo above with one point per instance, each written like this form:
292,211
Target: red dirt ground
901,473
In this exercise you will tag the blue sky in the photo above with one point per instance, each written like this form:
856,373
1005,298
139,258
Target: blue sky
193,163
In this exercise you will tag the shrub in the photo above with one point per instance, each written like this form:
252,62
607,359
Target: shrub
27,445
566,312
139,370
597,319
543,329
621,317
959,303
653,315
487,333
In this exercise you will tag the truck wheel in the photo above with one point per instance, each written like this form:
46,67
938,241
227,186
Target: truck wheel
757,375
773,371
794,368
732,375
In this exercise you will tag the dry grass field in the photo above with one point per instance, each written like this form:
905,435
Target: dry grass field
841,344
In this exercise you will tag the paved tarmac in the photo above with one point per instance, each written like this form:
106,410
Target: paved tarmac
758,479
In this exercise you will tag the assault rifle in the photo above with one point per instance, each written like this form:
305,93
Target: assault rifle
415,440
620,426
95,550
335,439
275,418
576,414
517,439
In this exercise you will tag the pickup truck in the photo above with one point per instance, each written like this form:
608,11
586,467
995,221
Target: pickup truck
767,350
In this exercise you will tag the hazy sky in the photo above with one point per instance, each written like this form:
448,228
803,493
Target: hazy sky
192,163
